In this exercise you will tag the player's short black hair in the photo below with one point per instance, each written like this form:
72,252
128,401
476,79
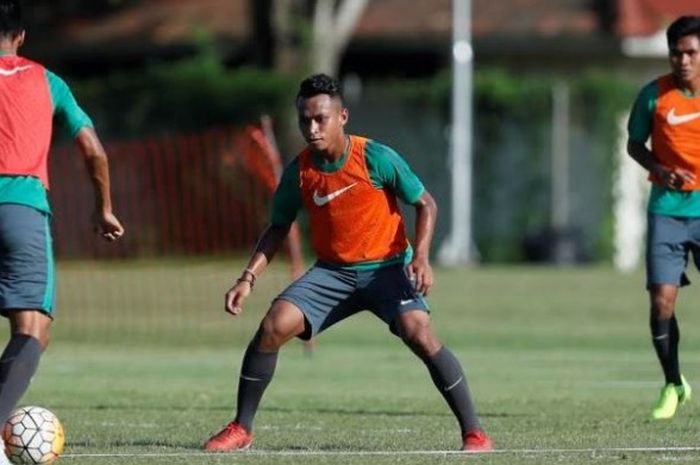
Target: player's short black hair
11,18
683,26
319,84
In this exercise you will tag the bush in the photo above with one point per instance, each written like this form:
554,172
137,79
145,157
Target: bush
191,94
511,162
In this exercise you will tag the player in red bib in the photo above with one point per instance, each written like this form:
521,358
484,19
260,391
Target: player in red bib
30,98
350,187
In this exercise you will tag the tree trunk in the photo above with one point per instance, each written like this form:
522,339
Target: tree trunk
262,40
332,30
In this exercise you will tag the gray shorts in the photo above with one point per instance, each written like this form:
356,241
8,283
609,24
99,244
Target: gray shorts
26,260
670,240
327,295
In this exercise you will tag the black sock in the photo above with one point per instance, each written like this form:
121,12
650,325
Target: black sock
449,378
18,364
675,338
256,373
665,337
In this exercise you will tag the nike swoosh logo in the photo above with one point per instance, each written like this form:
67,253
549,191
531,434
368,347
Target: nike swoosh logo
449,388
407,301
322,200
10,72
674,120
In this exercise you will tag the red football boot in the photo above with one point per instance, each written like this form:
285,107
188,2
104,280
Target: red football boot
232,438
477,441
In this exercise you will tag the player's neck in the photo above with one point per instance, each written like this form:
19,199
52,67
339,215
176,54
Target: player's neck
7,48
10,45
337,150
691,87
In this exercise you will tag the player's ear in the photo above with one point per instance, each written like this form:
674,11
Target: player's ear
20,39
344,115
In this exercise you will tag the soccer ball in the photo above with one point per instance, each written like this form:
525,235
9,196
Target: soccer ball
33,435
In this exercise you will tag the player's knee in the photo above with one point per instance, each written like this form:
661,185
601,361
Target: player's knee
32,323
44,341
421,340
662,306
269,337
272,334
42,336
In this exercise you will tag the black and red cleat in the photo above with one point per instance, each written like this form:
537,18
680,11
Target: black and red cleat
232,438
477,441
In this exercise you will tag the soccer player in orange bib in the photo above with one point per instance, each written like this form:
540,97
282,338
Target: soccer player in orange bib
668,111
350,187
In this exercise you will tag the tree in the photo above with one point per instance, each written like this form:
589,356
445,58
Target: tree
302,36
299,37
333,26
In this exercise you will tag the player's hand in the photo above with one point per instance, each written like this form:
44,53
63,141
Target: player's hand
674,178
108,226
421,273
235,297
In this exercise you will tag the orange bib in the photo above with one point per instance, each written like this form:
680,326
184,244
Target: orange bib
351,220
26,118
675,137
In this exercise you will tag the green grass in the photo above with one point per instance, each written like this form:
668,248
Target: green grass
144,361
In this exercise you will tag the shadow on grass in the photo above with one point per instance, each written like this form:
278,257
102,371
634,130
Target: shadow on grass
388,413
115,445
319,410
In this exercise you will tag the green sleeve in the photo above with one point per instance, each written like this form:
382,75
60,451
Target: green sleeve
65,107
388,169
286,201
642,114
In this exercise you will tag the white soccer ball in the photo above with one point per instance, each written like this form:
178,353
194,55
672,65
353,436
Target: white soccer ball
33,435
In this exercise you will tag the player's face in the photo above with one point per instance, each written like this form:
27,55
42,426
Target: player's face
321,122
685,59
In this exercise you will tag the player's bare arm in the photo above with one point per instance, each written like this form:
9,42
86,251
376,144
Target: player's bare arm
269,243
106,224
673,178
419,268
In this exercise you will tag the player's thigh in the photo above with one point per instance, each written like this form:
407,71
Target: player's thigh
324,296
389,294
26,260
667,250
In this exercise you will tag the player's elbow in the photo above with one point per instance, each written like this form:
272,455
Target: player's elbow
432,205
634,147
279,231
427,203
90,145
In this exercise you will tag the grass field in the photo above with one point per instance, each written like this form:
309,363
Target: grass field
144,365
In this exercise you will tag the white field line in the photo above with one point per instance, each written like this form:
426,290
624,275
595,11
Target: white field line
321,453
